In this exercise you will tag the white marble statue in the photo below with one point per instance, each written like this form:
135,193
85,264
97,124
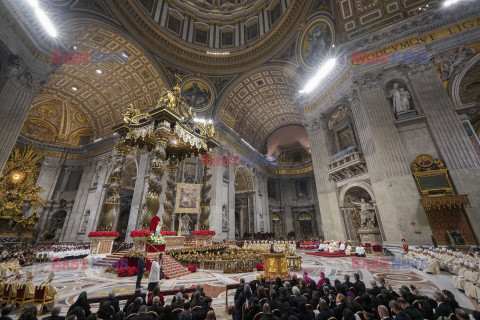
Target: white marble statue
400,99
186,223
224,219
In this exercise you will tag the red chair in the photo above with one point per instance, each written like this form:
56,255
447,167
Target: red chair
152,314
6,294
258,316
131,315
176,312
40,297
196,308
277,313
20,298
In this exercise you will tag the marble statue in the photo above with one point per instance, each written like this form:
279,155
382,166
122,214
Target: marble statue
367,215
186,223
453,62
400,99
224,219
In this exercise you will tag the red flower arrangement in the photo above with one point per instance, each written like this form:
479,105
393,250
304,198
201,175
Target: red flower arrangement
192,268
139,233
204,233
377,248
104,234
260,267
168,233
127,272
368,245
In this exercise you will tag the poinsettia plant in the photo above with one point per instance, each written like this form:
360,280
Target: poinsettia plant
377,248
140,233
168,233
192,268
260,267
127,272
368,245
104,234
133,254
204,233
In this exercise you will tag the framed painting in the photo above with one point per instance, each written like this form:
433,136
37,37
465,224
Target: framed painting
188,198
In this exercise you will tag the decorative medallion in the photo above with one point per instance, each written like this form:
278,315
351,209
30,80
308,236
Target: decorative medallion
47,111
82,118
315,42
199,93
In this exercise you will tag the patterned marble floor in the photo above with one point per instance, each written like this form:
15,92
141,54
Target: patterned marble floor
77,278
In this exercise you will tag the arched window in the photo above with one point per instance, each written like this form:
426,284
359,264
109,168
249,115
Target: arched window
305,224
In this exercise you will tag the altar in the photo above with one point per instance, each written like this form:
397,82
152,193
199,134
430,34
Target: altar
275,265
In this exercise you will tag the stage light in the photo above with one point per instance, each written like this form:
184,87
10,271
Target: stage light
448,3
324,70
99,71
74,88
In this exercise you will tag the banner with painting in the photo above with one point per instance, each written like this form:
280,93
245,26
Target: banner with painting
188,198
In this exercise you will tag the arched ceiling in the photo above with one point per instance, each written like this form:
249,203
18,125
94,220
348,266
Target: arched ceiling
260,103
103,97
243,181
57,121
286,139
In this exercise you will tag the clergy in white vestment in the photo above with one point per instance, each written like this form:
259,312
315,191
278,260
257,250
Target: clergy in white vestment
154,276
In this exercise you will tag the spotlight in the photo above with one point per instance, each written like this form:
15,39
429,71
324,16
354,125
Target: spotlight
448,3
99,71
324,70
74,88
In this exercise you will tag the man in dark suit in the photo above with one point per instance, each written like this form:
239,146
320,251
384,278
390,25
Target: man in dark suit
383,313
55,314
142,314
140,269
325,312
359,285
156,307
346,282
113,301
138,293
239,289
398,311
375,289
413,312
338,309
442,309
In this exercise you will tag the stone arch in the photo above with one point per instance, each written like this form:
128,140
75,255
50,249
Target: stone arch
457,81
244,180
259,102
361,184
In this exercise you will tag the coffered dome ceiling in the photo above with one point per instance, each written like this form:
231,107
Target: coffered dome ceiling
186,33
102,90
259,103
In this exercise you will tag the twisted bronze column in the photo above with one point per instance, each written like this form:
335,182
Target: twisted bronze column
169,194
205,199
112,195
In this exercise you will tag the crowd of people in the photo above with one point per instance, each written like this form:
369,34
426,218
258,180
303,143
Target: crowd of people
463,265
13,257
306,299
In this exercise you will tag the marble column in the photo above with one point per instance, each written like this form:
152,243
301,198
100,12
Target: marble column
327,198
79,206
392,182
451,139
16,96
96,208
231,202
138,193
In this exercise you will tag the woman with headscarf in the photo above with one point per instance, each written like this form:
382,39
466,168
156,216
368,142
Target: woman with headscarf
105,311
81,302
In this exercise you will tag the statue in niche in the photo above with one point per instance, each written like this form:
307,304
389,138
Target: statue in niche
185,223
400,99
225,219
85,221
356,223
367,215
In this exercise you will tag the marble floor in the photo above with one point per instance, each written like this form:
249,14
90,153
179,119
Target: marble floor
75,278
